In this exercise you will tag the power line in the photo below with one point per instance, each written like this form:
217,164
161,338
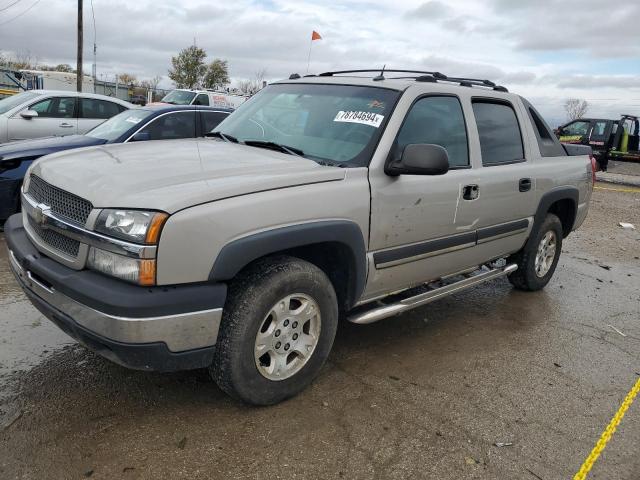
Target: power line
9,6
20,14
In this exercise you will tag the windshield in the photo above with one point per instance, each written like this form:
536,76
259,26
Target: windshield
338,124
178,97
118,125
9,103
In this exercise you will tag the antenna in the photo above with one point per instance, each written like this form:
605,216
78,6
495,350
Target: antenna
381,76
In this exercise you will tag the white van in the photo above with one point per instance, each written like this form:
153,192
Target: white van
183,96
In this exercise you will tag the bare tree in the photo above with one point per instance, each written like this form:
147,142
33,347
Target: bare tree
127,79
254,84
576,108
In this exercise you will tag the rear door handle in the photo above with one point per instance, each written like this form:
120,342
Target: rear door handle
66,125
470,192
524,185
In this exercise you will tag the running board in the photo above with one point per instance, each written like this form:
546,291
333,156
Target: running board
381,312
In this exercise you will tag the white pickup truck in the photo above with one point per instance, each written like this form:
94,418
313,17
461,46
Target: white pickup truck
321,198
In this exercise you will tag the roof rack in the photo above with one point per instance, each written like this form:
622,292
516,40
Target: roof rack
420,76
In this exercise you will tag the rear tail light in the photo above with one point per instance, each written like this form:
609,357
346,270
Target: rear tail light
594,168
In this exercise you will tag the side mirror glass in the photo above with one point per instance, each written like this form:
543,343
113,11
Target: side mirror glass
141,137
420,159
28,114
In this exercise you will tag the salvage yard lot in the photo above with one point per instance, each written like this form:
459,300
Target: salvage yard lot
423,395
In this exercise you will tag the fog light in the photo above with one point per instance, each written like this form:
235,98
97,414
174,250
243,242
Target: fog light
141,272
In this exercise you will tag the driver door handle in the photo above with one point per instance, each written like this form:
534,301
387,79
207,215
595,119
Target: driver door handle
66,125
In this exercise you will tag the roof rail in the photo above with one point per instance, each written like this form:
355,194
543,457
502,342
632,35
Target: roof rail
423,76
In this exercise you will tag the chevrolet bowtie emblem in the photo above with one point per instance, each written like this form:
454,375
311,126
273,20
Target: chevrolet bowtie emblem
39,212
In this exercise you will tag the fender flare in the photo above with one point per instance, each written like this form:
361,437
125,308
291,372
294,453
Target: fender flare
239,253
549,198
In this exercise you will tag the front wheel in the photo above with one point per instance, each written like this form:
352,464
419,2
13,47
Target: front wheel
277,329
538,259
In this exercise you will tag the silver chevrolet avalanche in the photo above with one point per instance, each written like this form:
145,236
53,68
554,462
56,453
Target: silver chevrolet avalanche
351,195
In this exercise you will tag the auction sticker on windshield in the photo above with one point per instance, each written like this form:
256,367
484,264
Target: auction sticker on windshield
364,118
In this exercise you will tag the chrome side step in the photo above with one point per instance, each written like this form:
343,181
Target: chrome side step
378,313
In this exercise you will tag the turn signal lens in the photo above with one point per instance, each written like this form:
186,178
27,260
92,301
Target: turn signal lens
153,233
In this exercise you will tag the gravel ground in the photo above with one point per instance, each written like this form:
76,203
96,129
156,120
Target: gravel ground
423,395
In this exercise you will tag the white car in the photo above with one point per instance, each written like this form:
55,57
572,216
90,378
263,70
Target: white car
43,113
183,96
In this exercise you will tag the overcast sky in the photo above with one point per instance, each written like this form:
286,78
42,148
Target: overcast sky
546,50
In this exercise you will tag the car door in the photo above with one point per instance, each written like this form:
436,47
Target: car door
94,111
211,119
415,233
56,116
505,182
576,132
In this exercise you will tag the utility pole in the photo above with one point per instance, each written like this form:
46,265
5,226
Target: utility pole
79,66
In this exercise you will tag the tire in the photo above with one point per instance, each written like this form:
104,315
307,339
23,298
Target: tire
532,276
255,306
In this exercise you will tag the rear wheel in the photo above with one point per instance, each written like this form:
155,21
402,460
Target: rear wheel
278,327
538,259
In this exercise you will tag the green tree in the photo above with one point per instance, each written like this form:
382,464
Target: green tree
188,67
217,74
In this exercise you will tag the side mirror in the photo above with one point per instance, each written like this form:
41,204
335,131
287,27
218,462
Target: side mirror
141,137
28,114
420,159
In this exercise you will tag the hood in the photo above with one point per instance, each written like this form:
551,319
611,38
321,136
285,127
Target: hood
170,175
44,146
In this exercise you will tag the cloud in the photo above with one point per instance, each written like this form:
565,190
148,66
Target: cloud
542,49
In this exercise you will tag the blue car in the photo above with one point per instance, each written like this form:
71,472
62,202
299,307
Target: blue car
151,123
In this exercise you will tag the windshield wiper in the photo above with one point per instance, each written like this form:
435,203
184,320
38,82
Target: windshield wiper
225,136
275,146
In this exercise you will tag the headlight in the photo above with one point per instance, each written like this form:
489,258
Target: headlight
135,226
141,272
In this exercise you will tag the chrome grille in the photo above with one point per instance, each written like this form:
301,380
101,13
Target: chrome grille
60,201
55,240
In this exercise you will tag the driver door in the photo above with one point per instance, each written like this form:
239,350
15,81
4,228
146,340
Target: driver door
56,116
416,232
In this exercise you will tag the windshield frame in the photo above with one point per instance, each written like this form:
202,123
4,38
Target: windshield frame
26,99
364,157
125,133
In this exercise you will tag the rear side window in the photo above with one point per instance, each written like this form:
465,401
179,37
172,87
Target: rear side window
547,142
499,132
212,119
440,121
100,109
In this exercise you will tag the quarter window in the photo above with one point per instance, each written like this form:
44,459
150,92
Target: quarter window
172,126
439,121
499,132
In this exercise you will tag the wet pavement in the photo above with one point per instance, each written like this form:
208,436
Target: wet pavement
422,395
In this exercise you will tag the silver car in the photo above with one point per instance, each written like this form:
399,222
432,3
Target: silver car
43,113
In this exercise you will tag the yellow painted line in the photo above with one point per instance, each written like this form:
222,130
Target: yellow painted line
607,434
637,190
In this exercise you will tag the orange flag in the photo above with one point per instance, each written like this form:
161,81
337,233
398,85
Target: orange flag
315,36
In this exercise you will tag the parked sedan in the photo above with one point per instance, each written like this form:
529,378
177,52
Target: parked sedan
150,123
42,113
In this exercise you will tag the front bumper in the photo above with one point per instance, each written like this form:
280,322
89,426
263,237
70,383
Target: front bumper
157,328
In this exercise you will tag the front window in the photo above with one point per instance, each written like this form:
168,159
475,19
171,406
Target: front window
336,124
13,101
118,125
576,128
178,97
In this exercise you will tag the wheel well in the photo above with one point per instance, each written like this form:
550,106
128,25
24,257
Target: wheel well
565,210
335,259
